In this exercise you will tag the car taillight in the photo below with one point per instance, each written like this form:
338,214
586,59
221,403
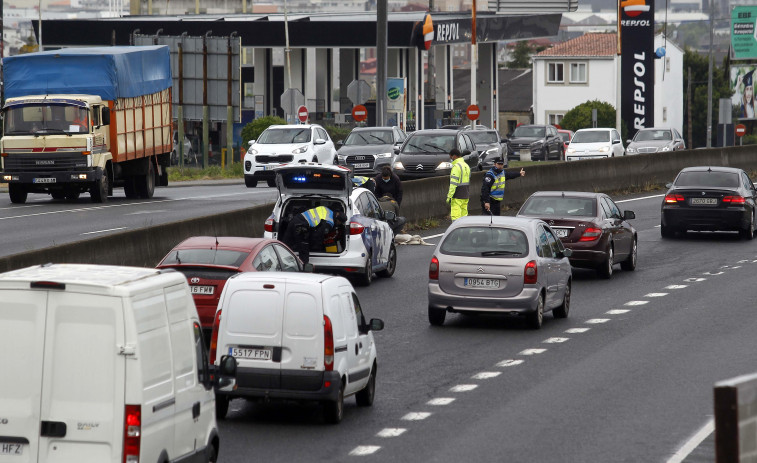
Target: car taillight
530,274
132,433
214,337
591,234
328,344
433,269
269,222
673,199
356,228
734,200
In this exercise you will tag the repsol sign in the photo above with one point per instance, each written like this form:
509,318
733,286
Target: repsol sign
637,64
446,32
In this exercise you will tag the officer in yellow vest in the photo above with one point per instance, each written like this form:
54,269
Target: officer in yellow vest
459,182
493,187
311,227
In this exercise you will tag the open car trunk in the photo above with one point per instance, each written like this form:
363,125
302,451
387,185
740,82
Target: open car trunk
334,243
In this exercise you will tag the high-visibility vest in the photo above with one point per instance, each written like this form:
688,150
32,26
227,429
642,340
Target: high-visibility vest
459,179
315,215
359,180
497,190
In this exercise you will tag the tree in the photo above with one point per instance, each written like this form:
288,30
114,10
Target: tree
720,89
521,55
580,117
253,130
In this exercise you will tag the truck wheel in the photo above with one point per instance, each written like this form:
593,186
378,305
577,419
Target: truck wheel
72,195
17,193
99,191
146,183
57,194
130,188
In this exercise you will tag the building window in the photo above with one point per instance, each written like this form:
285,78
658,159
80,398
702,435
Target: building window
555,119
578,73
555,73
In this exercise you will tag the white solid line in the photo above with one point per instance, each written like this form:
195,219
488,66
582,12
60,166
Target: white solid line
639,199
103,231
362,450
416,416
487,375
463,387
391,432
692,443
441,401
432,236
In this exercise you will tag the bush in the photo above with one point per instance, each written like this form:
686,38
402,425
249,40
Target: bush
580,117
337,133
748,140
253,130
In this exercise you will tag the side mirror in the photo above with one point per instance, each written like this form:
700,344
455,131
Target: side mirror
615,142
225,378
390,215
308,268
628,215
396,150
503,140
628,141
250,143
466,152
509,134
549,135
376,324
668,185
567,252
106,117
319,141
340,143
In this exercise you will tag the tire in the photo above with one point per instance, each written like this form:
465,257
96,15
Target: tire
436,316
72,195
146,183
748,233
212,454
57,194
605,269
562,153
271,182
667,232
630,263
364,398
17,193
365,278
130,188
222,406
564,309
391,264
99,191
334,411
545,154
536,318
250,182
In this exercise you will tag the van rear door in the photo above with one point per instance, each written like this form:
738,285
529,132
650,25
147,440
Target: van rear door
303,335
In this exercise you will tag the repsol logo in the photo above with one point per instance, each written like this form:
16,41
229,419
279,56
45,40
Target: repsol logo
639,90
447,32
634,23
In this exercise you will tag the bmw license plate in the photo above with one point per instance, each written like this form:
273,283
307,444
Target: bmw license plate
252,353
44,180
707,201
361,165
201,289
481,283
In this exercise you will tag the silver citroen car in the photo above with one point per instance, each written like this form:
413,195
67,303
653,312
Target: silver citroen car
490,264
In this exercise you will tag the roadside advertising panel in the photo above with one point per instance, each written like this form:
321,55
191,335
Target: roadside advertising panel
744,32
637,64
743,79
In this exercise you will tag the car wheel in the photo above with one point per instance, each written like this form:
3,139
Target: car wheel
562,311
536,318
436,316
130,187
630,263
667,232
748,233
250,182
545,154
605,269
391,263
562,154
222,406
364,398
367,276
271,182
334,411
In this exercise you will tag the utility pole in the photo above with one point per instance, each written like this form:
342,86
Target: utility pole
381,58
709,76
688,115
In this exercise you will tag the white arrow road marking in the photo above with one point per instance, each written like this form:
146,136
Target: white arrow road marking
595,321
510,363
676,286
532,351
391,432
416,416
577,330
363,450
617,312
441,401
636,303
487,375
656,294
463,387
555,340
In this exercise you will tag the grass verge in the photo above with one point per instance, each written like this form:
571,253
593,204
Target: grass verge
177,174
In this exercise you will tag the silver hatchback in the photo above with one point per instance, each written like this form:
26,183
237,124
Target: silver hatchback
499,265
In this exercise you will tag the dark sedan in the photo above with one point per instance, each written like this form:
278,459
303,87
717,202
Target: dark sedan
367,149
208,261
710,199
590,224
425,153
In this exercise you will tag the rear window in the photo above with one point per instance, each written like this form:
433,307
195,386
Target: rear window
716,179
485,242
559,206
206,257
308,180
483,137
591,136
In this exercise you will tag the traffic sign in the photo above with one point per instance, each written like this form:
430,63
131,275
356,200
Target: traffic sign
358,91
740,130
302,114
291,99
472,112
359,113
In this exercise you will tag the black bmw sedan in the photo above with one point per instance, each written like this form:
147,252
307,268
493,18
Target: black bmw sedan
709,198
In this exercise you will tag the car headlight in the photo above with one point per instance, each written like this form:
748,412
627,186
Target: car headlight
341,158
252,151
665,148
444,165
536,144
301,149
384,155
571,150
630,150
398,166
604,149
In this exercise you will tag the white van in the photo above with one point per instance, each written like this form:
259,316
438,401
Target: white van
296,336
108,365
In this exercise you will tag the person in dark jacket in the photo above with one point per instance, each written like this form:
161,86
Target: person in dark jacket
493,187
311,227
387,183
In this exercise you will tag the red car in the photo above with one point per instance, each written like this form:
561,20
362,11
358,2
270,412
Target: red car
567,136
208,261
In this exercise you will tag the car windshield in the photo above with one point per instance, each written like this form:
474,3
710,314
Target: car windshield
284,136
533,132
205,257
481,138
591,136
559,206
45,119
368,137
708,178
485,241
653,135
429,143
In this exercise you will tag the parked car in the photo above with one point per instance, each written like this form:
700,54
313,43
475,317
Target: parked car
362,247
655,139
539,142
190,155
589,224
299,337
109,365
595,143
709,198
489,144
281,144
367,149
425,153
209,261
499,264
566,136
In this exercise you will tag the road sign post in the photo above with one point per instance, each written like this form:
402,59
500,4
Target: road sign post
291,99
740,131
473,113
359,113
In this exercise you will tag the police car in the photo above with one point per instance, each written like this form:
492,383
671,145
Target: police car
362,247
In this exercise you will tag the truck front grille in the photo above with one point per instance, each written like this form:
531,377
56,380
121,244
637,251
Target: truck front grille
44,162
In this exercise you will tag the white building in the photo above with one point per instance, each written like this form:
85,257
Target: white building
585,68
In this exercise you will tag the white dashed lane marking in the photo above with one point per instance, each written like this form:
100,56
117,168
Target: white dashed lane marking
617,312
441,401
509,363
487,375
676,286
532,351
713,274
694,280
463,387
577,330
636,303
555,340
416,416
656,294
362,450
596,321
391,432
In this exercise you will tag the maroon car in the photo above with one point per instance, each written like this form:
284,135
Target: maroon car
208,261
589,224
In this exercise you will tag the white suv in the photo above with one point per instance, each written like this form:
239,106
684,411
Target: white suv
283,144
362,247
594,144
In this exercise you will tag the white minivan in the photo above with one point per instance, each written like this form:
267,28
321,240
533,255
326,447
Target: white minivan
295,336
108,365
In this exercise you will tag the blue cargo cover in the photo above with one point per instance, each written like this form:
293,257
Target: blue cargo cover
111,72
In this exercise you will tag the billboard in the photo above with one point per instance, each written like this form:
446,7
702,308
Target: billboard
744,32
743,79
637,64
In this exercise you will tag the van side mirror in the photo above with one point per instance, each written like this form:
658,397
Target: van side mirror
628,215
225,374
376,324
308,268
